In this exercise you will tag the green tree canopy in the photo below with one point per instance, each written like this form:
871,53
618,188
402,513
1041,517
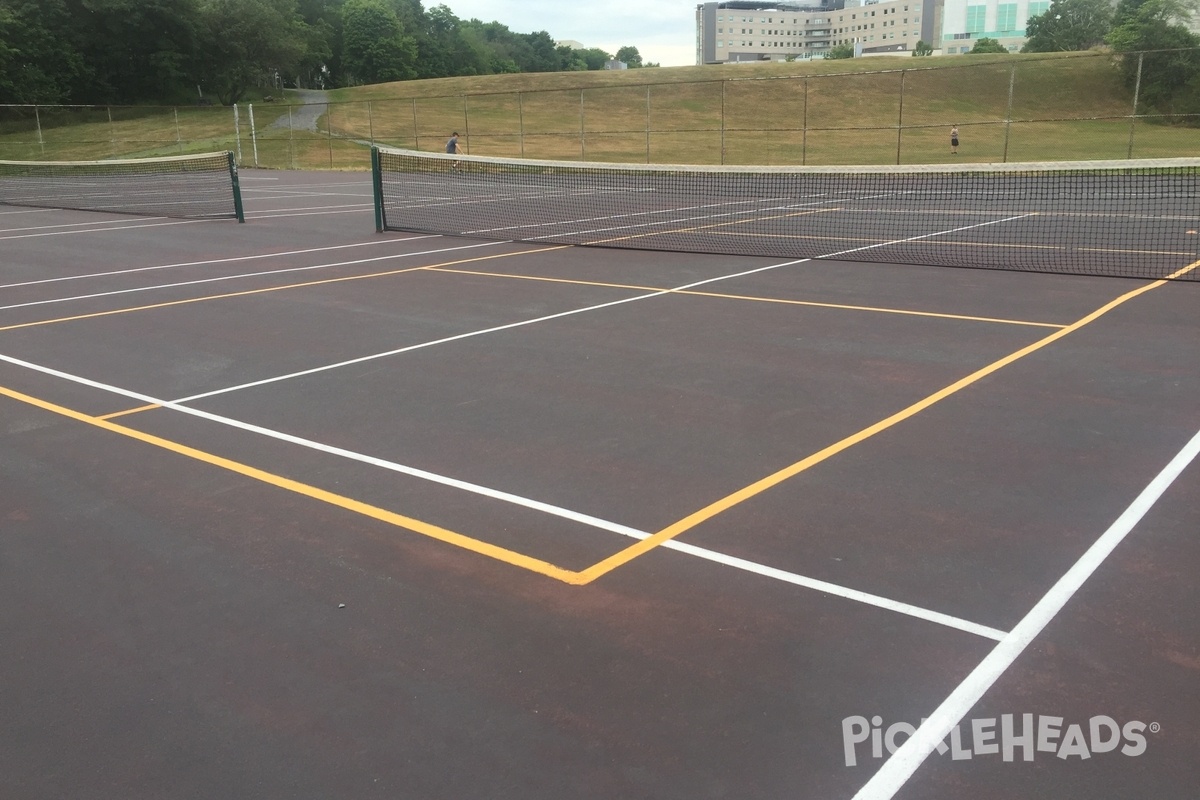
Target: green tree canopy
39,62
1069,25
844,50
1170,75
988,45
923,48
242,41
630,56
376,48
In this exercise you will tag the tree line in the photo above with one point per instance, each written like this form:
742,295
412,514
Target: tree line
170,51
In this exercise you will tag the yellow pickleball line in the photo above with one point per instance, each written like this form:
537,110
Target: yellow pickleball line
383,515
758,487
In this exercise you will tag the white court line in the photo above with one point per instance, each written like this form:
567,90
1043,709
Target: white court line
536,505
231,259
263,273
509,326
472,334
269,214
629,215
28,211
896,771
120,228
90,223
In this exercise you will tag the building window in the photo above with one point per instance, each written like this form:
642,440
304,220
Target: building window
1038,7
975,18
1006,17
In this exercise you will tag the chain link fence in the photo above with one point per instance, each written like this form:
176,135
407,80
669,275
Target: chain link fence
1048,110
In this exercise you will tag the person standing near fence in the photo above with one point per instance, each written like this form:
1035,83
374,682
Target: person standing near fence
954,140
452,147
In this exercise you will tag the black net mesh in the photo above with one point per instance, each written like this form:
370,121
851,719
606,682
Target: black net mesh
178,186
1119,218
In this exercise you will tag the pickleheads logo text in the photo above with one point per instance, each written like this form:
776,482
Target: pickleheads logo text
1030,734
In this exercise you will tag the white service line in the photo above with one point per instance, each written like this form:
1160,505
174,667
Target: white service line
90,223
480,332
223,278
120,228
132,270
896,771
536,505
659,293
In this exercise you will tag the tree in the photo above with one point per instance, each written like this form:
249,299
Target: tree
988,45
445,49
375,46
539,54
39,62
1170,77
241,42
923,48
595,57
843,50
1068,25
138,50
630,56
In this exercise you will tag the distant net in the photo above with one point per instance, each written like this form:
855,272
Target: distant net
1120,218
197,186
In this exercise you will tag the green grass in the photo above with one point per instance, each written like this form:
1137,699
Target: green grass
1064,106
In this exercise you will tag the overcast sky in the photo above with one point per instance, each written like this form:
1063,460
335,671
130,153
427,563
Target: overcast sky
663,31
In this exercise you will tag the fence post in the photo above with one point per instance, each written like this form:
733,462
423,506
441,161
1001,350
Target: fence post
237,133
1137,91
416,130
521,121
253,133
112,133
804,133
178,137
723,121
900,117
582,134
291,154
370,124
329,131
647,123
466,124
1012,82
37,117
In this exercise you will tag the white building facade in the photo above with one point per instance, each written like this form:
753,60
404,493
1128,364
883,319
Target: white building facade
964,22
741,31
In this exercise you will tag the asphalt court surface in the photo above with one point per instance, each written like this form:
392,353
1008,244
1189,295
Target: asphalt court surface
438,517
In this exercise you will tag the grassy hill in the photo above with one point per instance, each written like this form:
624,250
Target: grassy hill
1013,107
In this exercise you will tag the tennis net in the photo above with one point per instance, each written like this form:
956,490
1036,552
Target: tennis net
1120,218
195,186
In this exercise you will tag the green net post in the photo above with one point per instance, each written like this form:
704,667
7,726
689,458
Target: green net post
377,187
237,189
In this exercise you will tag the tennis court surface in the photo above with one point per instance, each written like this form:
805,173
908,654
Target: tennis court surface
295,508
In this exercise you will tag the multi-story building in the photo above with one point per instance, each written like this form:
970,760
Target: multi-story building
745,30
966,21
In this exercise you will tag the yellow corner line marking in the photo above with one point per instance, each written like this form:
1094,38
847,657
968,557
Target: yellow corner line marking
356,506
137,410
272,289
729,501
751,298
